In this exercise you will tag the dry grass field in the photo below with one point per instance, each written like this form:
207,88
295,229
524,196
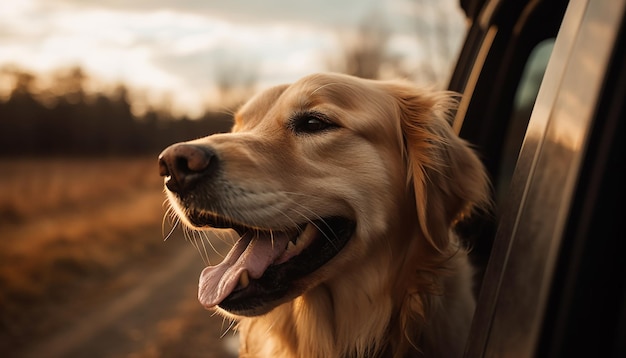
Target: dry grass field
65,220
67,225
62,218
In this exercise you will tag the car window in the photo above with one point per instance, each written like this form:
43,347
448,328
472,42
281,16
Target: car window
524,100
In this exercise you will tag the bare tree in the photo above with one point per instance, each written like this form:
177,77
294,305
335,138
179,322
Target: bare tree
235,79
365,50
70,83
24,82
435,38
366,53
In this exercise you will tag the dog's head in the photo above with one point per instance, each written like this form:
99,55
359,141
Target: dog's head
317,177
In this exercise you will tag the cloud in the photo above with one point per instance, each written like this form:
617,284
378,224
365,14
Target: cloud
318,13
177,47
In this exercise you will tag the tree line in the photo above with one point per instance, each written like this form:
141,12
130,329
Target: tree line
66,120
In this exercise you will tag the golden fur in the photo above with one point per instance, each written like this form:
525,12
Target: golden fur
402,285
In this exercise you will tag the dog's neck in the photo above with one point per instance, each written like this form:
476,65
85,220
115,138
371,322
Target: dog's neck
322,323
331,320
341,319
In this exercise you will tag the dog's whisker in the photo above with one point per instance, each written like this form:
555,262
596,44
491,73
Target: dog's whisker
319,218
312,222
270,328
324,233
208,239
174,224
230,326
165,217
224,319
230,111
170,214
295,224
227,237
206,254
295,202
192,238
322,86
231,238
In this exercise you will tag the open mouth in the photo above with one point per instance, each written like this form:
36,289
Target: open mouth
264,266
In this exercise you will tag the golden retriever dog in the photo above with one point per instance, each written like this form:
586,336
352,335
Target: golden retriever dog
345,193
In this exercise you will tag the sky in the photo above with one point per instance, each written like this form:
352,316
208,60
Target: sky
173,51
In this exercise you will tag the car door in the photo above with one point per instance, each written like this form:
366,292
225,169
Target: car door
555,280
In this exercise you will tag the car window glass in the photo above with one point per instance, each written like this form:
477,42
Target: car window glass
523,103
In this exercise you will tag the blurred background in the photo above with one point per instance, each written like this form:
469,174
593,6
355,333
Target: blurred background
92,91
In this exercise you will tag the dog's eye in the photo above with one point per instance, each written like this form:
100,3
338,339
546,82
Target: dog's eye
310,123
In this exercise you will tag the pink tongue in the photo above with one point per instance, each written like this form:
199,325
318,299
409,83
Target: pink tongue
252,255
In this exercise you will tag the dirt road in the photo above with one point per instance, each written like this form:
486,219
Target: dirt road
148,310
83,268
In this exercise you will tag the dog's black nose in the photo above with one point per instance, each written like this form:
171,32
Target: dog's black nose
184,164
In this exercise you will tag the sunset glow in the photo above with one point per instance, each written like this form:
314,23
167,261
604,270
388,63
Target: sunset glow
170,52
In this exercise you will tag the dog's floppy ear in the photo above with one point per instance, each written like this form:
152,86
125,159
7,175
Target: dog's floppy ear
447,177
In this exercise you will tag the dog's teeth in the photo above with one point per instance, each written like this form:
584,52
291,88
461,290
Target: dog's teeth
244,279
302,241
307,235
